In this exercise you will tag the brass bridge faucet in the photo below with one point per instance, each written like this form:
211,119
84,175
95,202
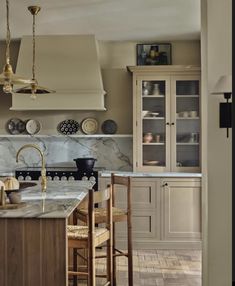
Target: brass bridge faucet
43,169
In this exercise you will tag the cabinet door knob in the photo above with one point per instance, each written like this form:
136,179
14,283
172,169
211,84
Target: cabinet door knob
173,123
167,123
165,185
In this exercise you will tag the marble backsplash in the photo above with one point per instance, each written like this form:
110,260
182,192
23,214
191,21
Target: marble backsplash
111,153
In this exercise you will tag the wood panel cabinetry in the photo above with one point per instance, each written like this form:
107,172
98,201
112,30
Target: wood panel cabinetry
166,212
166,123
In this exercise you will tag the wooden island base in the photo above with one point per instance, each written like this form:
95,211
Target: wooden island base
33,251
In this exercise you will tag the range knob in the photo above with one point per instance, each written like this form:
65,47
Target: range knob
63,178
56,178
84,178
71,178
21,178
49,178
92,179
28,178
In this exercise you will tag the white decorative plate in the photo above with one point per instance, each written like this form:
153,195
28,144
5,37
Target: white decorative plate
89,126
33,126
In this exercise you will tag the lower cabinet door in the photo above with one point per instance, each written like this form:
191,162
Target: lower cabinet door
181,209
144,225
145,204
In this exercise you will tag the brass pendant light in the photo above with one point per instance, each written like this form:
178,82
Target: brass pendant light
33,88
7,77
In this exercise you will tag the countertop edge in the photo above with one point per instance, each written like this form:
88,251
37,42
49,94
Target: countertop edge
107,174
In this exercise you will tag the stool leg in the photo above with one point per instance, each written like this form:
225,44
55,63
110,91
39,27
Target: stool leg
109,260
91,266
114,258
130,254
75,265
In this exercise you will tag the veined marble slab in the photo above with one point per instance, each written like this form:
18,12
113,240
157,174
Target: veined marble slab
111,153
59,200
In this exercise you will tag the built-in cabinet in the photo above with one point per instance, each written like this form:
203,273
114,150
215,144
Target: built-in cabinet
167,121
166,212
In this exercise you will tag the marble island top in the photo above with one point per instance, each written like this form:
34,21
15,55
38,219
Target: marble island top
60,199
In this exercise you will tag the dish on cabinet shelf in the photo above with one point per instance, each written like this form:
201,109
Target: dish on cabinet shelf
15,126
145,113
68,127
89,126
154,114
33,126
151,162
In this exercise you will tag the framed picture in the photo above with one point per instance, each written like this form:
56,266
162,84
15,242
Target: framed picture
153,54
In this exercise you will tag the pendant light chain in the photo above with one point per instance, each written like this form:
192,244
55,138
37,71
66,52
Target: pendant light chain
8,37
34,48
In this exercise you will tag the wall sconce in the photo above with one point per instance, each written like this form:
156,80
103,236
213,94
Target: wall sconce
224,86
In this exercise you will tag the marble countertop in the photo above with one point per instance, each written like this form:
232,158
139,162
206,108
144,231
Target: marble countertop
151,175
60,199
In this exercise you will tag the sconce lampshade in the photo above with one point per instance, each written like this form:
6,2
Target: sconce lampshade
223,85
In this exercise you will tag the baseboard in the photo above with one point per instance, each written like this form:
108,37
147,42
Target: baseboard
153,244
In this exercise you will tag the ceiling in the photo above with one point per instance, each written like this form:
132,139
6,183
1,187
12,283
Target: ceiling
109,20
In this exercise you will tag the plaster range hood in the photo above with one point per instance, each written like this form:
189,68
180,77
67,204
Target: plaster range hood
67,64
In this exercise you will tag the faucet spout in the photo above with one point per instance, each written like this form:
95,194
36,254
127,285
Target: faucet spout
43,168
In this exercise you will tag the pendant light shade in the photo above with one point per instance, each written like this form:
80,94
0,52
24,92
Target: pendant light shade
7,77
33,88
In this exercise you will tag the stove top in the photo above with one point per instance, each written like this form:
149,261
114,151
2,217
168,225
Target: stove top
58,174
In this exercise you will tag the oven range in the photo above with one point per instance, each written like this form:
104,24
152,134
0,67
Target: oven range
58,174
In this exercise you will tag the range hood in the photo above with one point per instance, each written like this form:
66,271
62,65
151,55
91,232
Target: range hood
67,64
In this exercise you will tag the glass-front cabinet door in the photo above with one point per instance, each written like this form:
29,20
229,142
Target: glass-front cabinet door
167,118
153,124
185,113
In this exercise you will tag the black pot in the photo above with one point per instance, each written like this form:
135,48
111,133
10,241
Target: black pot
85,164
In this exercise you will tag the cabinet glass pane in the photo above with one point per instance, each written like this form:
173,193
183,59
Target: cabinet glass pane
153,123
187,123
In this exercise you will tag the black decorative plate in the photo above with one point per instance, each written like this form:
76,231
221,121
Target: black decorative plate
68,127
109,127
15,126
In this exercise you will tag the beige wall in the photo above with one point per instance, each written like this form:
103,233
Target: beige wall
122,54
219,60
114,57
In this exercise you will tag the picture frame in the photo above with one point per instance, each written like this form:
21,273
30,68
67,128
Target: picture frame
153,54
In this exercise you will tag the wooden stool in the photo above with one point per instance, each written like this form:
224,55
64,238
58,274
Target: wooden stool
118,215
89,237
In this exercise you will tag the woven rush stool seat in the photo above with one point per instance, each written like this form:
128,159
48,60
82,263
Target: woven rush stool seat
101,214
81,233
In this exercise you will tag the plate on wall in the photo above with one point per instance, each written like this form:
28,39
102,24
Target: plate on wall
68,127
15,126
33,126
109,127
89,125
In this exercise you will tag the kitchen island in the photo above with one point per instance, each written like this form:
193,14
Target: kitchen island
33,244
